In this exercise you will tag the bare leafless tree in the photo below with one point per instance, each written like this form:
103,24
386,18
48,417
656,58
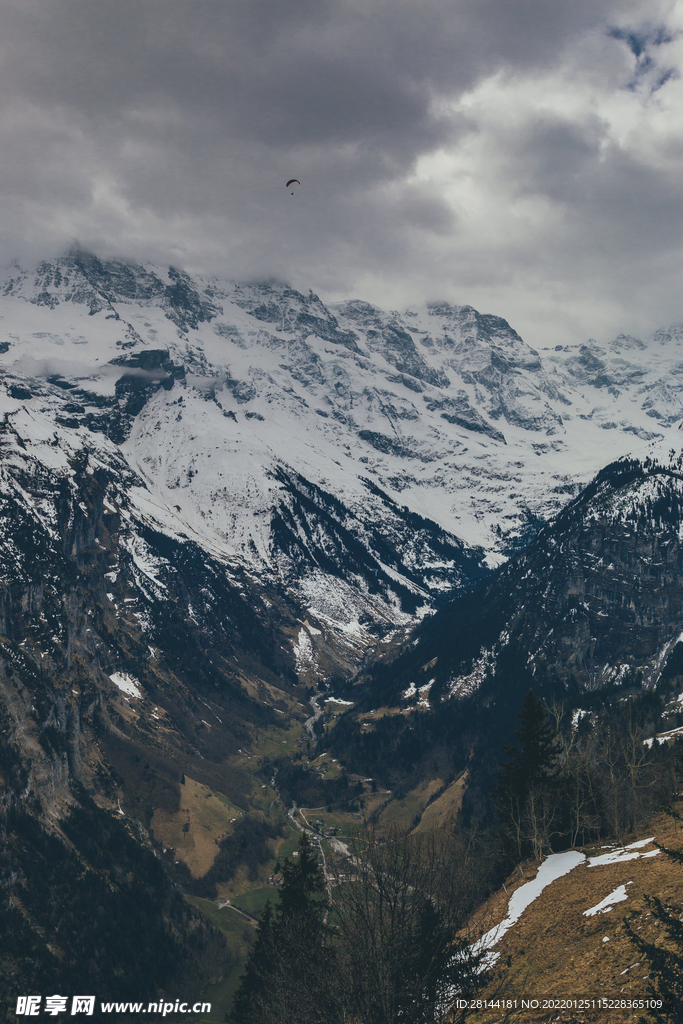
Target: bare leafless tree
541,820
397,914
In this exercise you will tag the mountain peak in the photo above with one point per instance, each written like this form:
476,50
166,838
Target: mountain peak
252,410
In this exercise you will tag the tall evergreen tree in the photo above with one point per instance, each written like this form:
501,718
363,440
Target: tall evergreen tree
393,949
289,978
534,759
526,792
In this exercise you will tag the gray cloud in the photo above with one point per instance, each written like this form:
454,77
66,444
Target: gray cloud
517,156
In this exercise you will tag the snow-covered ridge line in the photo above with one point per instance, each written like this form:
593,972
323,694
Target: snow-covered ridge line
369,451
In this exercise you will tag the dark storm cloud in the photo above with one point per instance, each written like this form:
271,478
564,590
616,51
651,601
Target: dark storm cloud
278,73
166,130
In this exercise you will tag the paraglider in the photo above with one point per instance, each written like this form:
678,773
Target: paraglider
292,181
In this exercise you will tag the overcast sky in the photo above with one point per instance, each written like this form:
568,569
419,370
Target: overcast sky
522,156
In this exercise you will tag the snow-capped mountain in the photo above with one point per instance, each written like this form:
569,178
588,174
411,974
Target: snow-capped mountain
595,600
215,495
368,462
589,617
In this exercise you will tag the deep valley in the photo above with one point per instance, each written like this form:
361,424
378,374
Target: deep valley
269,568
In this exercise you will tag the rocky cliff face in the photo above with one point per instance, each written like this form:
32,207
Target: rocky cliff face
92,594
114,641
595,600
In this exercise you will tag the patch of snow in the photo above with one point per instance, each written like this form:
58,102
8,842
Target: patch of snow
677,703
640,843
424,690
303,652
605,906
663,737
577,715
128,684
147,563
631,852
463,686
338,700
554,867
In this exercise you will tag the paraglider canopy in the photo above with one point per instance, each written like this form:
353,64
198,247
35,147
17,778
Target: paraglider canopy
292,181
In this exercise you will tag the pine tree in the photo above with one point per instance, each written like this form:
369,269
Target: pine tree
534,759
526,795
666,959
289,978
256,968
302,880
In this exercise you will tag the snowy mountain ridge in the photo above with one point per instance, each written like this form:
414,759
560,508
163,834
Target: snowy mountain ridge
366,460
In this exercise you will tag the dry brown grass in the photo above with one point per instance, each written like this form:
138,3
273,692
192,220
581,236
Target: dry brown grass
208,815
553,951
445,807
402,812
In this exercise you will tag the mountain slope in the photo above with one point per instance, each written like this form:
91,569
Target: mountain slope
596,598
128,657
570,942
590,614
234,404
